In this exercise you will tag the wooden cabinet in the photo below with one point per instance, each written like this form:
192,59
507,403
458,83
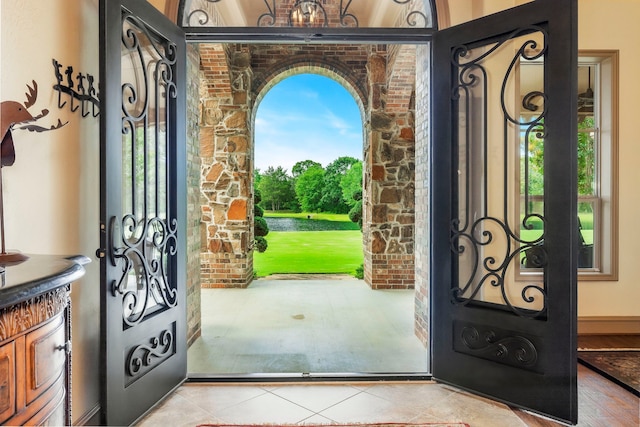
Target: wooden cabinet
35,342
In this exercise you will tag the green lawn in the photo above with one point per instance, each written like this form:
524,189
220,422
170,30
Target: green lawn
310,252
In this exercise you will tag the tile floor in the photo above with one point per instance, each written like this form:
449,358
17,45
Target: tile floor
271,328
601,403
327,403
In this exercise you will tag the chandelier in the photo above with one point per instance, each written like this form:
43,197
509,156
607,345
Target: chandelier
308,13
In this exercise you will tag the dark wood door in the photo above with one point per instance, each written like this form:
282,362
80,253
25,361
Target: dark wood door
143,208
504,219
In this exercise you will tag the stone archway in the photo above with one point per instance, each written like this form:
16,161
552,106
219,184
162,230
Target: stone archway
233,79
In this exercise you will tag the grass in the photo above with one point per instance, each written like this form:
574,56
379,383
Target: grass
310,252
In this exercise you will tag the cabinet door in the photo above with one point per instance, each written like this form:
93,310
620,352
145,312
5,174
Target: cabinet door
46,357
7,381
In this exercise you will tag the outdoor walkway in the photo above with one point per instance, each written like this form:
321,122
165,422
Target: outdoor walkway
312,324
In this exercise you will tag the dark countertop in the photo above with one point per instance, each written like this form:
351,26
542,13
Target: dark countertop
37,275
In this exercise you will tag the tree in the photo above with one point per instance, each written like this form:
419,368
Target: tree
309,188
300,167
257,177
586,159
332,200
351,183
276,188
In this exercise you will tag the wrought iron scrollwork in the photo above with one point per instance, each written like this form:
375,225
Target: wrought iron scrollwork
200,16
470,237
514,350
143,242
414,16
144,357
347,19
268,19
144,256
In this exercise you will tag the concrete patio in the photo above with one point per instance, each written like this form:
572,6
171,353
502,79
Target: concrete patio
315,324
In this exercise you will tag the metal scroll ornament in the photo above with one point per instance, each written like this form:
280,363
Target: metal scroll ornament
513,350
144,240
143,358
202,15
475,230
144,284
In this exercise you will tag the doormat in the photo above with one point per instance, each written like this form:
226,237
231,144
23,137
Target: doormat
621,367
456,424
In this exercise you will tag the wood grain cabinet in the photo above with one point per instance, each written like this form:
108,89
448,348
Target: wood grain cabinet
35,341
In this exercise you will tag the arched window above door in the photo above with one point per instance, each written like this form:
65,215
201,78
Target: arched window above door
308,13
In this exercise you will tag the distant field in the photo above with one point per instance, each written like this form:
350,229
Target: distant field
310,252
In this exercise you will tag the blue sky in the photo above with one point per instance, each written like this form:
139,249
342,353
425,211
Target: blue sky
306,116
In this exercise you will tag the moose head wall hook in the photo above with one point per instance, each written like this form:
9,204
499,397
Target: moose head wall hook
14,115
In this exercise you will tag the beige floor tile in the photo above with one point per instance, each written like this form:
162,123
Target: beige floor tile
412,394
266,408
217,398
368,408
316,398
177,411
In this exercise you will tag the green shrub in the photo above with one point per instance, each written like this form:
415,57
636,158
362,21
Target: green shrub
260,227
261,244
359,274
355,214
257,211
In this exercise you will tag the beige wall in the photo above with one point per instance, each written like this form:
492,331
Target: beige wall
51,192
613,25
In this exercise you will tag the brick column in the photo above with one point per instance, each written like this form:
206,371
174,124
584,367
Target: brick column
193,196
389,200
422,246
227,206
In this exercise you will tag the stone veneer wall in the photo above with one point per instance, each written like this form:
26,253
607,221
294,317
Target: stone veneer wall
389,191
422,179
226,258
193,196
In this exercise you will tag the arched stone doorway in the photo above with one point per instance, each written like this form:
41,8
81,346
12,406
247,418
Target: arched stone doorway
383,78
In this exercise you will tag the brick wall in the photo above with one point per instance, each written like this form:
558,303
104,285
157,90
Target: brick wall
422,194
344,63
193,197
226,227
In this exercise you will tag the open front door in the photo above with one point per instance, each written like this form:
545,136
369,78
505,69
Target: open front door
143,208
504,218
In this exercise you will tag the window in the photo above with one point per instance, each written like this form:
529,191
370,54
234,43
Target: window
597,167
